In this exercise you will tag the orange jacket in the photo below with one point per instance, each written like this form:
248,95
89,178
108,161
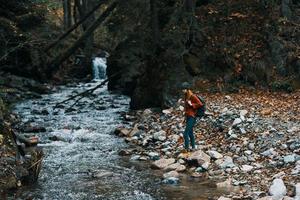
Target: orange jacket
192,110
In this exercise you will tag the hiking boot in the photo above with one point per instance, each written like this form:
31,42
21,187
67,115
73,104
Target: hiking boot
184,150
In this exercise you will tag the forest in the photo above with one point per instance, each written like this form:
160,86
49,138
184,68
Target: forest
148,99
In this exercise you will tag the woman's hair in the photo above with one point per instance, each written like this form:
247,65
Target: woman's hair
187,94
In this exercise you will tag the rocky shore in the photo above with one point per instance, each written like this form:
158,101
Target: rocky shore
20,158
248,144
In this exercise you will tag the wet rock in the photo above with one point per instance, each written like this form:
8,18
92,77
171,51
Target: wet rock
171,180
121,132
135,157
57,138
154,155
124,152
214,154
162,163
170,174
160,135
176,166
199,158
34,129
277,189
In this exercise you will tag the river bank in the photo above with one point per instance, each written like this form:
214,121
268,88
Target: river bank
246,141
81,152
20,160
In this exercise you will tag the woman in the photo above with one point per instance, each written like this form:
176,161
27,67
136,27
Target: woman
192,104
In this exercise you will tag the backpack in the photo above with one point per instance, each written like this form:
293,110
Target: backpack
201,111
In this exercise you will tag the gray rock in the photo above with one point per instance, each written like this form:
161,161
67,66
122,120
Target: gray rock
135,157
225,162
214,154
160,135
269,153
154,155
243,112
162,163
199,158
289,159
277,189
297,191
237,121
251,146
176,166
171,174
246,168
243,131
171,180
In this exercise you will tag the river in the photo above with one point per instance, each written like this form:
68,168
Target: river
83,161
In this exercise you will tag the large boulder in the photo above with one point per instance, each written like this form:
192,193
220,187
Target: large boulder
199,159
162,163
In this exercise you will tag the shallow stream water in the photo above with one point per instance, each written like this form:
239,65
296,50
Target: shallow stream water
83,162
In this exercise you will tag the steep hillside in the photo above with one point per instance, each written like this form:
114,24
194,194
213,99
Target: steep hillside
222,46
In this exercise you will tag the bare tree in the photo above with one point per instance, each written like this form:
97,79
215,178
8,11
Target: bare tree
154,22
67,14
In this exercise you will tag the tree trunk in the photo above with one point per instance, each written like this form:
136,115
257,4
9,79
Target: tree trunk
70,30
189,5
56,62
67,14
84,6
154,22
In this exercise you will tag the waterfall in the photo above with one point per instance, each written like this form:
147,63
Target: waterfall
99,68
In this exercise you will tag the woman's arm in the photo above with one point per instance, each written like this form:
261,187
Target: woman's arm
196,103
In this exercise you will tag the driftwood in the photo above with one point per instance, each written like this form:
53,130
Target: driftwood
55,63
86,92
71,29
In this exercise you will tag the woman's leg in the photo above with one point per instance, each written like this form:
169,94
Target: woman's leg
191,133
186,134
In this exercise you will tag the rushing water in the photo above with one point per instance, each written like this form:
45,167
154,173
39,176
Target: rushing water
99,68
83,163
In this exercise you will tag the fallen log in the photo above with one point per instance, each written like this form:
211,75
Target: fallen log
56,62
86,92
71,29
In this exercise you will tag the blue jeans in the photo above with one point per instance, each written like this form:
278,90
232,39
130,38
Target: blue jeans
188,133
